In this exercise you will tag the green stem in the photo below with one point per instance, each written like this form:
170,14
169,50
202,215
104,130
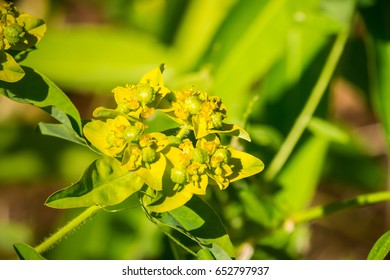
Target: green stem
305,116
62,232
321,211
182,132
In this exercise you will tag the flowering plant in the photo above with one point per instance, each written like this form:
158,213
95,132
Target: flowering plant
170,168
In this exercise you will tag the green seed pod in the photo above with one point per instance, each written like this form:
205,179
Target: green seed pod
199,155
193,104
132,134
148,155
13,32
145,93
174,140
123,108
179,175
216,119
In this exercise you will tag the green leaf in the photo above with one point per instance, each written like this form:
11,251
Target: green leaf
300,176
26,252
61,131
102,51
10,70
381,248
198,221
105,182
204,254
38,90
328,130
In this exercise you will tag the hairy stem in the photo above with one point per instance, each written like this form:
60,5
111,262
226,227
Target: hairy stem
62,232
305,116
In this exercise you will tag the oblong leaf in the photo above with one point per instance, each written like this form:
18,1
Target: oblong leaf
26,252
198,221
59,130
381,248
38,90
105,182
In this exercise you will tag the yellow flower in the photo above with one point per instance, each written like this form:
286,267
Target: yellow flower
139,101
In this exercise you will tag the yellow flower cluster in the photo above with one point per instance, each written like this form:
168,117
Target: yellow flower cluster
173,167
18,32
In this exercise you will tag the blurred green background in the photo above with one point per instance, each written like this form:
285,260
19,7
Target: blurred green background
263,58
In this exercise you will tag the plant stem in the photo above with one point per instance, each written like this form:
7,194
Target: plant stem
305,116
182,132
321,211
62,232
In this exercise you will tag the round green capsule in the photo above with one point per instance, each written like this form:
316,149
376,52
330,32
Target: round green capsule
13,32
132,134
148,155
222,155
216,119
179,175
193,104
199,155
145,93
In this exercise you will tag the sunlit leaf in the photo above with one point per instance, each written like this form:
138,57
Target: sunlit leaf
26,252
61,131
381,248
199,221
105,182
168,201
43,93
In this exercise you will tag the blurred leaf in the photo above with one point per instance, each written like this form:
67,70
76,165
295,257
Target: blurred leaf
259,208
105,182
38,90
258,35
110,56
197,34
381,248
378,51
264,135
198,221
300,176
26,252
382,86
323,128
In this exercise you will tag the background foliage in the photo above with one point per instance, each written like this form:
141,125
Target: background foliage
263,58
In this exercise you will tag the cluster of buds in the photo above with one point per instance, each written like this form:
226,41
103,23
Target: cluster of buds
18,32
173,167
